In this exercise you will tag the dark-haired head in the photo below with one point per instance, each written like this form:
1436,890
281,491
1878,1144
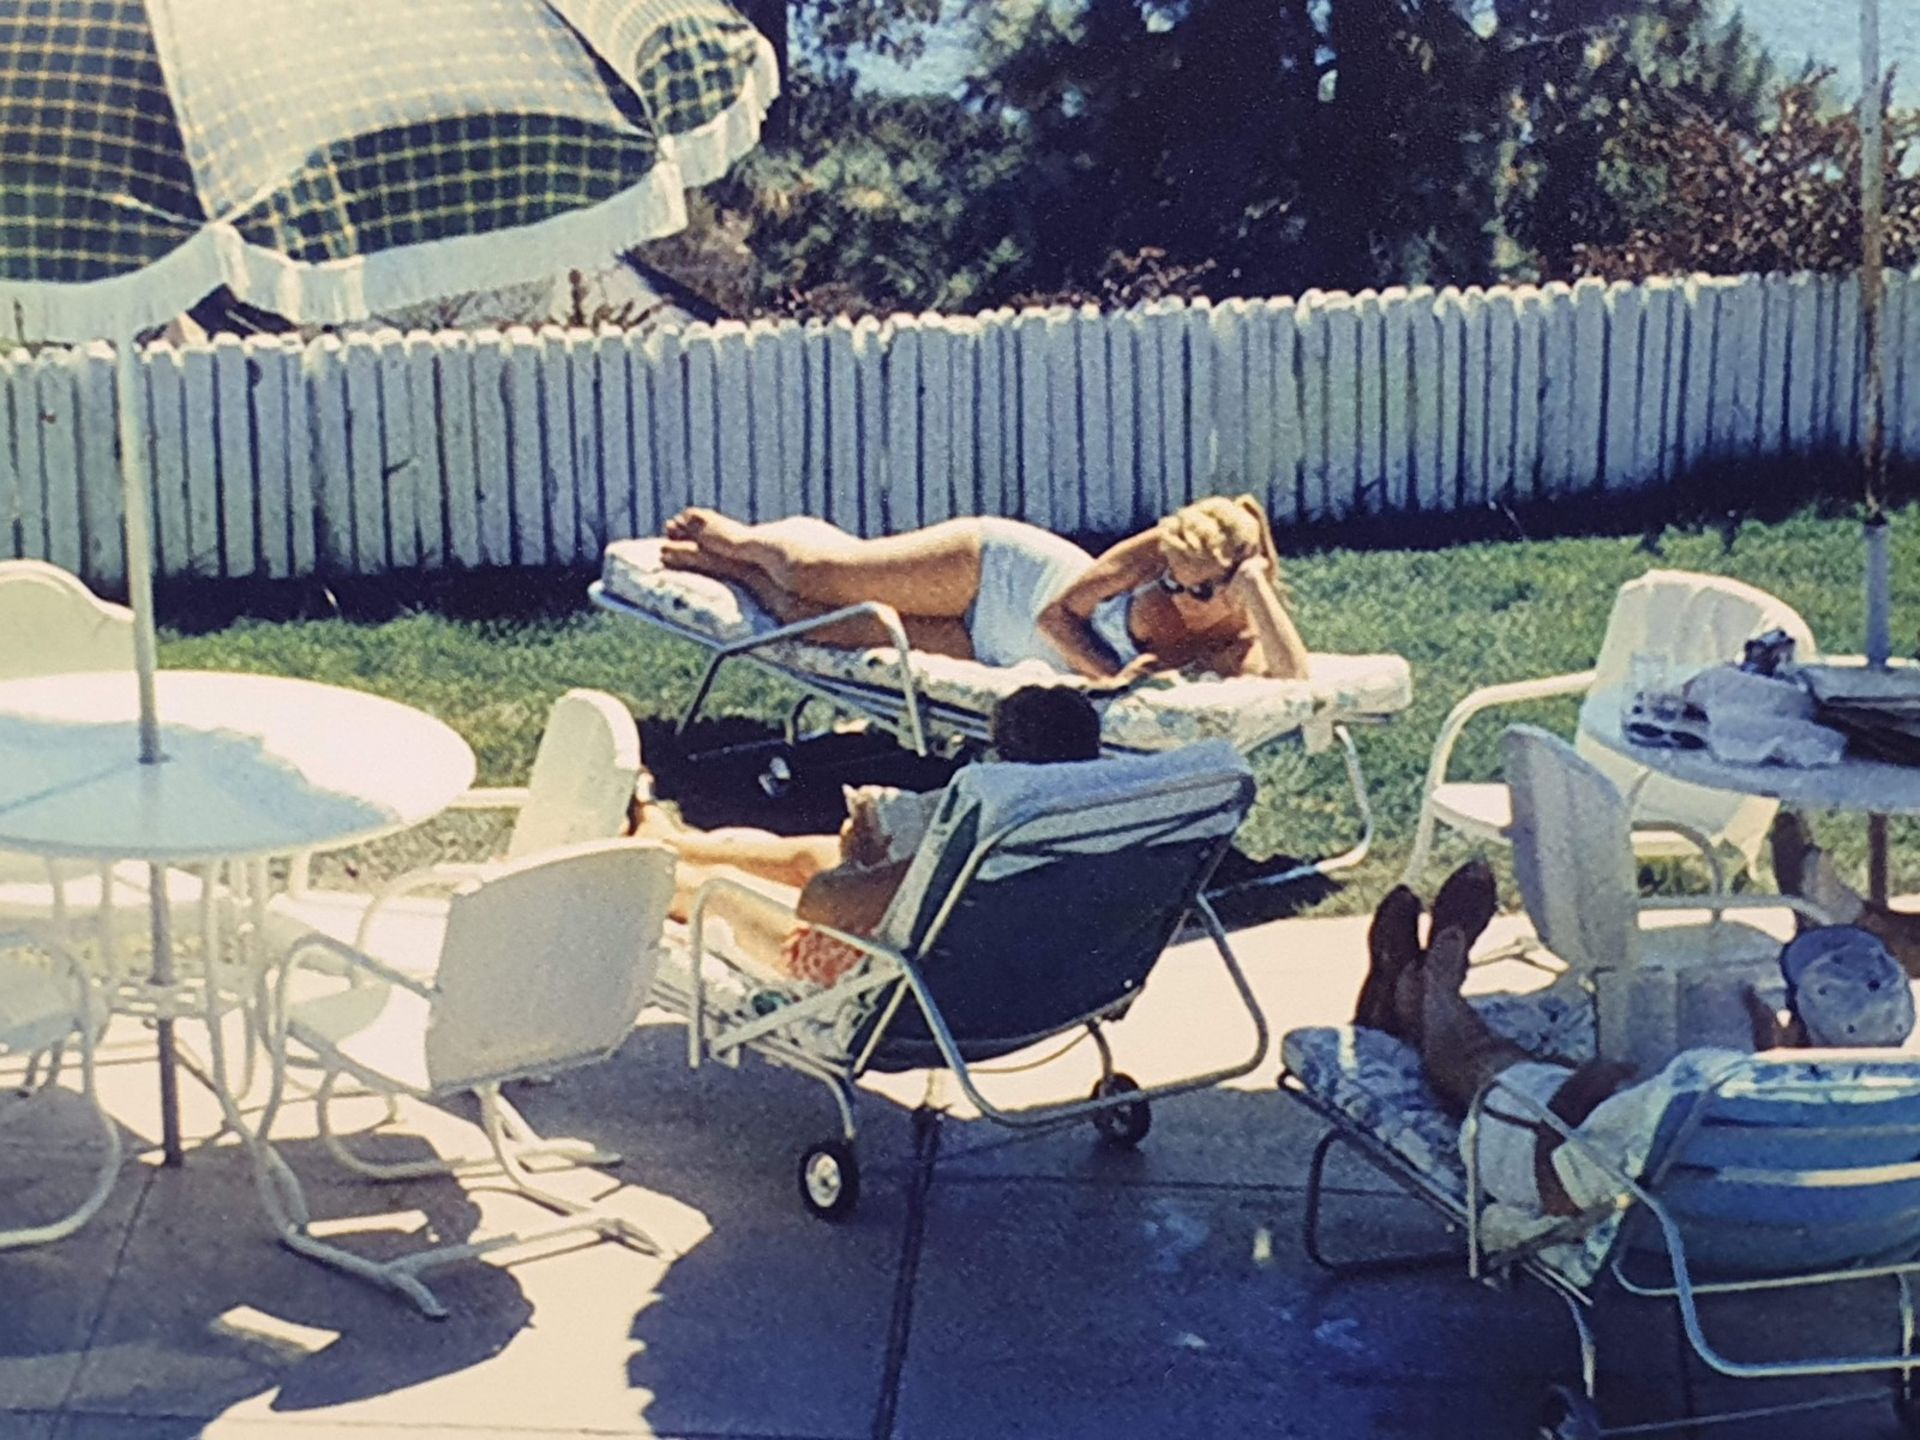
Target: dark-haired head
1042,724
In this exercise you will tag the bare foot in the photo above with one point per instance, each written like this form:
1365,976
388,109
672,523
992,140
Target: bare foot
697,560
709,529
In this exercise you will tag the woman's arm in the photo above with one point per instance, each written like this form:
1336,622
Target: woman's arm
1282,649
1067,620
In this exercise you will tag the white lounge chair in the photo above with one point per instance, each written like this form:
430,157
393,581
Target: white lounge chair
1695,621
47,1001
542,968
578,790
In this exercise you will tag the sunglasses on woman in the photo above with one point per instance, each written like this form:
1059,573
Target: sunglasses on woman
1202,592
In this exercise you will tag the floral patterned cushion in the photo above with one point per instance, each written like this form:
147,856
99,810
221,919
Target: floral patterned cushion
1375,1081
1245,711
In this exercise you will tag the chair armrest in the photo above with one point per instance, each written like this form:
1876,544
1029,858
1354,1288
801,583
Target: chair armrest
448,874
293,958
1488,697
1721,902
491,797
1700,841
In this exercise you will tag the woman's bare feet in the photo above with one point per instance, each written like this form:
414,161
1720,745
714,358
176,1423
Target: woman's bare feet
710,530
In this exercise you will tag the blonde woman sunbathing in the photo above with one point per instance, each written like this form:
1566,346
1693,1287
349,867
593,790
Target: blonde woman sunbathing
1200,590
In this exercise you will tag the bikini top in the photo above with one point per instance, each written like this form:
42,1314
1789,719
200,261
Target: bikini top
1111,622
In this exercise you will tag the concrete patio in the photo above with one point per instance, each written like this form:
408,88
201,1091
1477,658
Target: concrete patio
987,1286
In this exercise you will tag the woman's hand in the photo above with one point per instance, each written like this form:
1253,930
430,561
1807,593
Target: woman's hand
1251,574
1136,671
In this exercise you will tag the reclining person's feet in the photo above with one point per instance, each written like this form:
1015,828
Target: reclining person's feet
1393,945
1467,902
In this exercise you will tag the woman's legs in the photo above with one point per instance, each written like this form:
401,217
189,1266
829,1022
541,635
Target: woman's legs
1801,868
789,860
933,572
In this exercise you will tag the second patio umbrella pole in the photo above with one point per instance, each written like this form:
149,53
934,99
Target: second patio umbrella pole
139,540
1879,599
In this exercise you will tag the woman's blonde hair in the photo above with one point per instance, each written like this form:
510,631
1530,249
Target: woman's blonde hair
1220,531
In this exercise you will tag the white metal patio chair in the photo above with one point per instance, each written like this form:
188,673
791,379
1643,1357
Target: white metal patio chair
543,967
47,1001
1573,858
579,789
1695,621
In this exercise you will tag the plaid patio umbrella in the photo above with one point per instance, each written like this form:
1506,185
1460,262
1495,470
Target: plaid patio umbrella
330,160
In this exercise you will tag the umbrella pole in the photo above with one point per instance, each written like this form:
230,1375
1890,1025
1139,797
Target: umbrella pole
139,543
1874,451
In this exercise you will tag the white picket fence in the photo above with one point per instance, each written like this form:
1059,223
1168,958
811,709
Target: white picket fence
389,452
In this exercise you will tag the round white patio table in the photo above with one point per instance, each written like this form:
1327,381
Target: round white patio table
1856,785
255,767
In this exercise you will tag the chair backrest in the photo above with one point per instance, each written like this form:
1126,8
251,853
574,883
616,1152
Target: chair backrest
1042,895
1572,851
1797,1162
1696,621
583,775
545,965
51,624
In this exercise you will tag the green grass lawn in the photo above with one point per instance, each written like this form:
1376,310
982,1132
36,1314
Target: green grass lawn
1466,616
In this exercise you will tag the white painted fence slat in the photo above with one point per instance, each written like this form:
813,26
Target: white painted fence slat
1526,394
403,464
1702,300
870,444
1776,316
12,542
551,365
1451,317
492,450
787,345
203,468
1098,510
1175,417
1262,413
1743,303
731,421
767,474
1427,383
963,368
1343,404
667,382
1556,388
615,427
1650,426
1903,419
271,362
589,484
1624,326
936,401
1803,364
462,457
60,458
1126,399
815,350
425,472
1843,399
332,475
643,446
843,405
166,391
1475,326
1150,425
1503,368
237,484
1397,323
1064,476
1227,345
1371,414
900,356
531,482
364,458
702,441
1036,447
1588,412
989,402
105,549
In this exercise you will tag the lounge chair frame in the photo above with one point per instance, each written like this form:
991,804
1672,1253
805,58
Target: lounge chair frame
1634,1198
927,726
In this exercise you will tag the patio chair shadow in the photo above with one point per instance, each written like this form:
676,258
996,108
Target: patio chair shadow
196,1308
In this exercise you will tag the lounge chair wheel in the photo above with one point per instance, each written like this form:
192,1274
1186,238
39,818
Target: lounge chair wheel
830,1179
1123,1126
1568,1415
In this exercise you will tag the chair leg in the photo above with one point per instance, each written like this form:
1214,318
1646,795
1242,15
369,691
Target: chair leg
518,1138
1372,1265
108,1173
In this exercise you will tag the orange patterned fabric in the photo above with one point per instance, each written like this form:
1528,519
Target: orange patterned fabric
817,957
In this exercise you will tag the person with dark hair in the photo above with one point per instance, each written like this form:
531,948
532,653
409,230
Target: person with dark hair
848,880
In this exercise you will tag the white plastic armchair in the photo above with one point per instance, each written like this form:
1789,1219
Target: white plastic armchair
579,789
1573,858
47,1001
543,967
52,624
1694,621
